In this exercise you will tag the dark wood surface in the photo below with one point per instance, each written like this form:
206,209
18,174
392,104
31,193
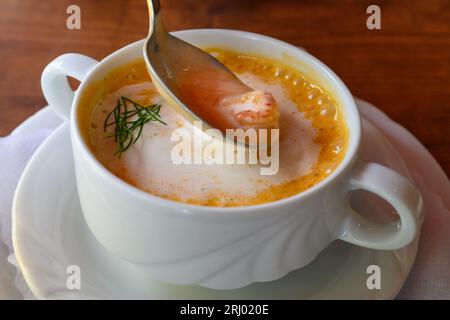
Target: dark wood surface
404,68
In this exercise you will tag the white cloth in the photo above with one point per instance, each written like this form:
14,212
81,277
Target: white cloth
15,151
429,278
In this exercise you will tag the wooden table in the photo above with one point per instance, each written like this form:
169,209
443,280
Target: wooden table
404,68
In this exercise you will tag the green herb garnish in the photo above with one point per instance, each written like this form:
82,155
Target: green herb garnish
129,118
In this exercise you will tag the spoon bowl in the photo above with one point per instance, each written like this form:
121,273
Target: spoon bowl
189,79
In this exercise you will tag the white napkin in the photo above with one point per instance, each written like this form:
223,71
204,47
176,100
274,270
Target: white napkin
15,152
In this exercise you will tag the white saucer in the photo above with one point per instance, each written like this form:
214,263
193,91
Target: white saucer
49,234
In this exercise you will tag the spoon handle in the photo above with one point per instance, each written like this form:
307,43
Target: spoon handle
154,5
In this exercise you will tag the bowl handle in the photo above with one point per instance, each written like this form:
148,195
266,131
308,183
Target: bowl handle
55,86
398,192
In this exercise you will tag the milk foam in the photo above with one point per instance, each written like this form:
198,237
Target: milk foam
149,166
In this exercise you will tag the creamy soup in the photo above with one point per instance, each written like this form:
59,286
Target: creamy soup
312,142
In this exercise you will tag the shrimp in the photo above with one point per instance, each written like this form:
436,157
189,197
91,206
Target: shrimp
254,109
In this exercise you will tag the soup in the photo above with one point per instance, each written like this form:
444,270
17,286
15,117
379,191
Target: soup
312,136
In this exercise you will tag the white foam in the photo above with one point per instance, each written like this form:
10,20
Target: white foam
148,163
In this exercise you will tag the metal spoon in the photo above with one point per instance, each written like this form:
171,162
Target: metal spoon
190,79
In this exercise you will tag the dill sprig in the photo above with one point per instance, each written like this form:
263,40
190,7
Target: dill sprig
129,118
